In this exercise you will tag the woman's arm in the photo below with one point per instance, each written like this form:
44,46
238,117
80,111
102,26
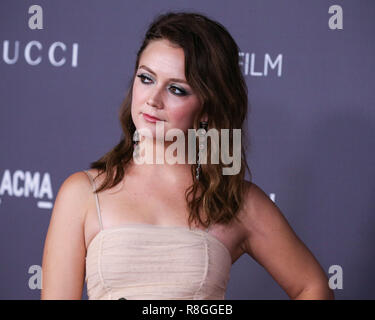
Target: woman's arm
274,245
63,267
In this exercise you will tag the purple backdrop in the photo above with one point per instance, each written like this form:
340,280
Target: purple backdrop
312,122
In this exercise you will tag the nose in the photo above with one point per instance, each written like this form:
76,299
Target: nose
155,98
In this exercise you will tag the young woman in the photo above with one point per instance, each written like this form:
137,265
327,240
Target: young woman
172,231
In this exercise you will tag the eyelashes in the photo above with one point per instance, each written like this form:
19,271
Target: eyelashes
181,92
142,77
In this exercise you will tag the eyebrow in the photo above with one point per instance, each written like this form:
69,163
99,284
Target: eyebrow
172,79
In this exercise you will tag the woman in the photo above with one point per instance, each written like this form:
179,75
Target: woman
172,231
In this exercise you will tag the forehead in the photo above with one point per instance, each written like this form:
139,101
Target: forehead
164,59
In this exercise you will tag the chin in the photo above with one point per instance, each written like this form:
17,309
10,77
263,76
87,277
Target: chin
146,130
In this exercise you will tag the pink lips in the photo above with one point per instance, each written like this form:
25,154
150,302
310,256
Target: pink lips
150,118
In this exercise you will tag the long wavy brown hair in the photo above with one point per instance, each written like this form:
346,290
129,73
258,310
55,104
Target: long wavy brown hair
212,70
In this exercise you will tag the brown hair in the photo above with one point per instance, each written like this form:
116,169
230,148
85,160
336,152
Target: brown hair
212,70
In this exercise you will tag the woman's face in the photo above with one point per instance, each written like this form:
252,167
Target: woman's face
160,91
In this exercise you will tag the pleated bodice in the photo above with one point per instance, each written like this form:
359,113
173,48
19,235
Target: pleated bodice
140,261
153,262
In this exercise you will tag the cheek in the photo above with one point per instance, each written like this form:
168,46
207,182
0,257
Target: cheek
136,104
138,94
184,113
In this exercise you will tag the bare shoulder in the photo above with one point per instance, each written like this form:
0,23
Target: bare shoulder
78,183
74,193
93,172
79,179
257,205
98,176
64,248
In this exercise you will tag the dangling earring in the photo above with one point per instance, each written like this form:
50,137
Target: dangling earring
203,125
135,144
135,137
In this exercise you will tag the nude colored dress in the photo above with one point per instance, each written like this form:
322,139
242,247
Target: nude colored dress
154,262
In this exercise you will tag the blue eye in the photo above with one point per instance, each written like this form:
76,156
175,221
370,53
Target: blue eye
180,92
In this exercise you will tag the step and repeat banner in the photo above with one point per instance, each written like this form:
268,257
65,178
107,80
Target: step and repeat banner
309,66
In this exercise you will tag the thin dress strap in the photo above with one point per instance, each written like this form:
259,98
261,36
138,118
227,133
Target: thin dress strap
96,199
